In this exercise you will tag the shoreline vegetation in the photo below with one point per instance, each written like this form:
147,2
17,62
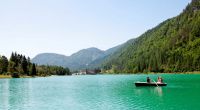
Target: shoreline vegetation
20,66
196,72
4,76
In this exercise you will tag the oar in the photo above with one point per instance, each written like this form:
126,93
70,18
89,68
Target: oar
156,83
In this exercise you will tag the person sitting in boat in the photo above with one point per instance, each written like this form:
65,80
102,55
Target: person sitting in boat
148,80
160,80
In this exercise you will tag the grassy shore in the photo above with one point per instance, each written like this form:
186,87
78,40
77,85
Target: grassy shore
195,72
9,76
5,76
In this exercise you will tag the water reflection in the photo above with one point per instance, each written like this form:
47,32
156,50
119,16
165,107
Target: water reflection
4,93
158,91
152,90
14,93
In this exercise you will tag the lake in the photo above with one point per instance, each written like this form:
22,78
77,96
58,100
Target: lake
100,92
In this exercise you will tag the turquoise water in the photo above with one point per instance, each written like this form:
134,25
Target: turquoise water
100,92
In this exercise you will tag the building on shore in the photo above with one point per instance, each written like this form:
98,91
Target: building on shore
88,72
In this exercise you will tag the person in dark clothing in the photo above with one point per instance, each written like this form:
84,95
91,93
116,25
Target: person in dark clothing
148,80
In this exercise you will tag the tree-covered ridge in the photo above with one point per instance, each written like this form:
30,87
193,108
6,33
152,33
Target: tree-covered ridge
44,70
20,65
172,46
89,58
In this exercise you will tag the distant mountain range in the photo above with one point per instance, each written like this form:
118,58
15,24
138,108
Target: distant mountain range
172,46
82,59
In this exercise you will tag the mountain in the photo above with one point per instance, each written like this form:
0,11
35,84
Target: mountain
79,60
84,57
107,54
172,46
50,59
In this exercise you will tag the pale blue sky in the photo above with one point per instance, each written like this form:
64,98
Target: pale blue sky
66,26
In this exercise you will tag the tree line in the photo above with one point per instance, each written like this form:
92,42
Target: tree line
20,65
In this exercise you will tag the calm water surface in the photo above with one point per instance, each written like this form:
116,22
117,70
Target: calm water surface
100,92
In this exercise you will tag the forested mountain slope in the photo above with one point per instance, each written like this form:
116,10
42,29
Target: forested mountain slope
172,46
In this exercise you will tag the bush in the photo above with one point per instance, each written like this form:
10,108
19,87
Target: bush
15,75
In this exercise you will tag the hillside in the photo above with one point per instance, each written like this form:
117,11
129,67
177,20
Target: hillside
80,60
107,54
172,46
84,57
50,59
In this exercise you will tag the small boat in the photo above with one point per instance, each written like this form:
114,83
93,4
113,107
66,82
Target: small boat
150,84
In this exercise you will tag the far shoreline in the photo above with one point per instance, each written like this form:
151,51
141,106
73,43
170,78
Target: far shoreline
5,76
9,76
150,73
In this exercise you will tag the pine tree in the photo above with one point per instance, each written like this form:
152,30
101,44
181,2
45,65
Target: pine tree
11,67
33,70
1,63
12,57
4,64
29,65
24,65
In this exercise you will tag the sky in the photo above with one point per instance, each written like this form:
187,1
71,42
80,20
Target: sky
30,27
